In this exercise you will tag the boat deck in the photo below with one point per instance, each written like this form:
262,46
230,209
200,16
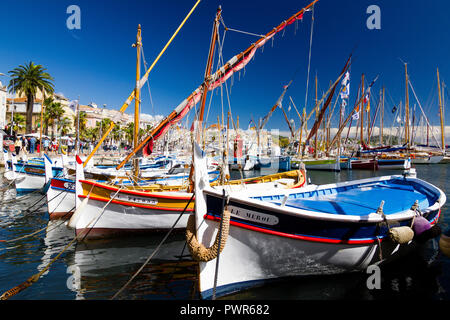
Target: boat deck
361,199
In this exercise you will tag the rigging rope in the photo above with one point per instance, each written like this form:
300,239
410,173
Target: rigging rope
148,84
309,57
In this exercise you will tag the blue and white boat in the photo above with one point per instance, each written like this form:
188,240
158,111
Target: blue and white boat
313,230
29,176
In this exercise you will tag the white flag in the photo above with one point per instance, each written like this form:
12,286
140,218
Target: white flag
355,116
346,78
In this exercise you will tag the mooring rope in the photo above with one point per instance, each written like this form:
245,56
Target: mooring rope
40,230
34,278
198,251
154,252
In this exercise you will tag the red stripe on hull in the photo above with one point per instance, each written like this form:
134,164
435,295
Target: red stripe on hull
294,236
140,193
307,238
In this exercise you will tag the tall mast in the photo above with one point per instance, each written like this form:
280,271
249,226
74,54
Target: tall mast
317,111
441,113
209,64
78,126
362,110
406,107
137,100
205,85
42,121
382,120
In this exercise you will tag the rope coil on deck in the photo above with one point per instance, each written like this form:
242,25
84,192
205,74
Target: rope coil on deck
198,251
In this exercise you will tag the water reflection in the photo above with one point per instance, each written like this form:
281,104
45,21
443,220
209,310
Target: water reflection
99,269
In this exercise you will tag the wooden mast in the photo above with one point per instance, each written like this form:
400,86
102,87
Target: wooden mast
362,110
441,113
42,121
382,120
317,111
137,98
198,136
406,107
209,64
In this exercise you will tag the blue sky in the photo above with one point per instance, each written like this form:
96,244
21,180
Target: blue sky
97,62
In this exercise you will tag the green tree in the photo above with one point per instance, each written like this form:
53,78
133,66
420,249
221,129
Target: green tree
64,125
27,79
53,114
129,132
18,122
83,122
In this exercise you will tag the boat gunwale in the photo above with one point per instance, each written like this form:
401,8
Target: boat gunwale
369,218
139,193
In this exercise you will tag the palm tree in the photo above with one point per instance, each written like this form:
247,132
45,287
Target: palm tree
18,122
64,125
83,122
129,132
117,133
53,114
102,126
27,79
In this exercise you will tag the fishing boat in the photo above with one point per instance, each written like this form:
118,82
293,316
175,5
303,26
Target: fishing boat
425,158
107,210
364,164
243,240
326,164
31,177
276,163
393,163
60,192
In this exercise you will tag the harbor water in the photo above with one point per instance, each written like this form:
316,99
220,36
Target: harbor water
98,270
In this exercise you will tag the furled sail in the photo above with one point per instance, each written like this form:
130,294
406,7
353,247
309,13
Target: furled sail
218,78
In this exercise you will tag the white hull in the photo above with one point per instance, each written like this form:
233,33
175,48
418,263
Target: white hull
60,203
251,257
28,183
402,165
429,160
117,218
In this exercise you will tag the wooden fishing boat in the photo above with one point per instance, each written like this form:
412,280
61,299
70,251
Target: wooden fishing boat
243,240
31,177
364,164
318,164
393,163
110,210
425,158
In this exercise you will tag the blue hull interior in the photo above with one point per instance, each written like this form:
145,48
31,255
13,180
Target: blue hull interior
362,199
